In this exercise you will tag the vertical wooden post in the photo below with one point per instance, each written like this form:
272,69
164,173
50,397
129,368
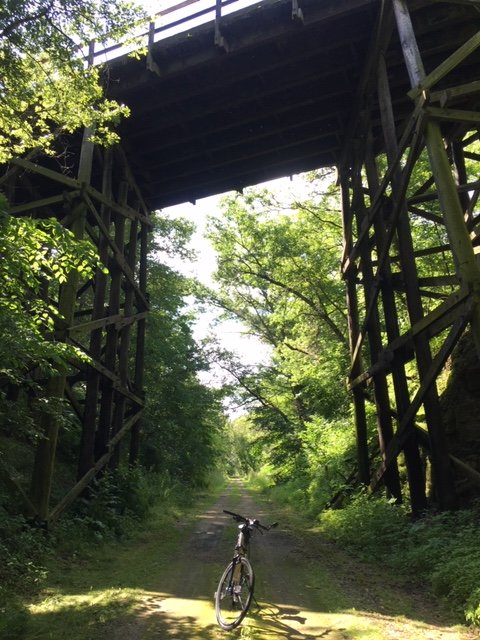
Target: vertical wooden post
416,478
382,399
353,331
87,443
463,253
44,462
460,243
107,402
140,347
219,39
119,412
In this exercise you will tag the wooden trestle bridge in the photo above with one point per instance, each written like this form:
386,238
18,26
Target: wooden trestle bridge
371,87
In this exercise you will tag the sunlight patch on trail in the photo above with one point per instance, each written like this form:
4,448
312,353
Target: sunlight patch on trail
295,623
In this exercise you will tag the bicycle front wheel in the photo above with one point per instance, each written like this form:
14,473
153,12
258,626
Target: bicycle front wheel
234,594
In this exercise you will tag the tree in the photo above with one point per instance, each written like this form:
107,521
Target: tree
36,256
278,274
46,88
183,418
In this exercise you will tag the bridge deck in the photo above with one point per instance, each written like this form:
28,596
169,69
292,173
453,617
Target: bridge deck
277,101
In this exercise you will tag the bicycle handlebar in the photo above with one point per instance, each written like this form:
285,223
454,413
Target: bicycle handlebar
251,521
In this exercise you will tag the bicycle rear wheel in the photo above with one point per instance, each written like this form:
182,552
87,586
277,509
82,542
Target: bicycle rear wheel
233,597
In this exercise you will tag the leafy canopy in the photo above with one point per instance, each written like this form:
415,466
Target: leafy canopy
45,87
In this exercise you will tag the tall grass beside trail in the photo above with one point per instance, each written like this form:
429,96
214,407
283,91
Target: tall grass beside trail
440,550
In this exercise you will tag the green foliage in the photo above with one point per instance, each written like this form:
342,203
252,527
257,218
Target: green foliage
441,550
46,87
239,447
22,549
329,450
183,418
36,257
113,506
278,274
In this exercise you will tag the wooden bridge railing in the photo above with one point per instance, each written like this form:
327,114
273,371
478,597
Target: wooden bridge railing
177,21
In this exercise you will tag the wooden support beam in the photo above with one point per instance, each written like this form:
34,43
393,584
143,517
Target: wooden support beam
44,463
426,82
444,96
436,366
401,190
86,456
42,203
434,195
372,329
467,267
453,115
140,343
124,347
414,127
353,329
81,485
402,347
118,255
78,185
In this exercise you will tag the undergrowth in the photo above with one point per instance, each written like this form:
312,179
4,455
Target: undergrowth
116,506
441,550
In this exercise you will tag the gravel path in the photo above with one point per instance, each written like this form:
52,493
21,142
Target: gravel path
305,588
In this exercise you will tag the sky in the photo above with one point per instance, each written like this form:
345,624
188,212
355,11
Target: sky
156,6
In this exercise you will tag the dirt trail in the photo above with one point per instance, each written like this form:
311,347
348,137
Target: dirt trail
305,588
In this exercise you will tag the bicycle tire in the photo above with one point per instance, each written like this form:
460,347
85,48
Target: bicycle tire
233,601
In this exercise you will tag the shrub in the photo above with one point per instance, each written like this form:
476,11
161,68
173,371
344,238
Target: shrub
440,549
23,549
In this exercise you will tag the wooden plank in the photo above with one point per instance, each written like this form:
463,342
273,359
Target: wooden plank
426,215
433,195
453,115
446,95
48,173
438,362
123,209
128,320
118,320
472,474
73,401
427,82
101,323
38,204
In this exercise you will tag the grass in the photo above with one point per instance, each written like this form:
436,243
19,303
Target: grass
86,591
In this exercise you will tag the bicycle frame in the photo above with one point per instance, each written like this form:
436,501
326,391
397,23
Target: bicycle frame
235,589
242,547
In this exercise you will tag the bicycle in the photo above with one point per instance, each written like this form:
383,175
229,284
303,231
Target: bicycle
235,589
